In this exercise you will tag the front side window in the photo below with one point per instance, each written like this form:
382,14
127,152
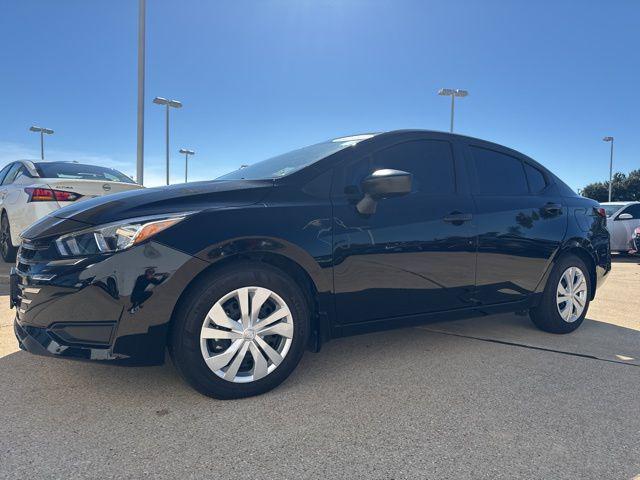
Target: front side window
498,173
429,161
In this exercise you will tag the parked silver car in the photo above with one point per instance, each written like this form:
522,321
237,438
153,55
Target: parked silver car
622,220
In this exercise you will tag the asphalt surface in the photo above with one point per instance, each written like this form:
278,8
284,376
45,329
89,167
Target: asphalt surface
485,398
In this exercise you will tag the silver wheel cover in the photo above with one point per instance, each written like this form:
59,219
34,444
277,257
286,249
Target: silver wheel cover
225,342
571,294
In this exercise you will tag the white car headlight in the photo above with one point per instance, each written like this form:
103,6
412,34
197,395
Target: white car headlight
113,237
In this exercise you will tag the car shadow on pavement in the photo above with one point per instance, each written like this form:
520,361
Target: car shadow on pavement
41,379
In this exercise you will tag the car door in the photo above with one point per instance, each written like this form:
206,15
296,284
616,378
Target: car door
622,228
416,253
521,223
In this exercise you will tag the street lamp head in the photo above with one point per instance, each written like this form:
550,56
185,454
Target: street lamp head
456,92
187,151
46,131
164,101
608,139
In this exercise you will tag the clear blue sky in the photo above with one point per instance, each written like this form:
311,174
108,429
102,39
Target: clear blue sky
548,78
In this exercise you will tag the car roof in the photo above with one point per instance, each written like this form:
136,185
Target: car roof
622,204
439,133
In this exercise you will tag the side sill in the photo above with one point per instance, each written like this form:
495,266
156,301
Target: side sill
343,330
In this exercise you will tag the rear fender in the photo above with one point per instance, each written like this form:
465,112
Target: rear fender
581,247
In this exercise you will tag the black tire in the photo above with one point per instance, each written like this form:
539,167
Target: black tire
7,250
184,341
546,315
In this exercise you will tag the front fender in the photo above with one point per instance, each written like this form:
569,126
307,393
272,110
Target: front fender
260,245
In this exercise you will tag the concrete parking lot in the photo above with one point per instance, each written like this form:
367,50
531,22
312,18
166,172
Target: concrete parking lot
488,397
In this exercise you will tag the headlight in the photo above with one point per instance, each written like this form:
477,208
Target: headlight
113,237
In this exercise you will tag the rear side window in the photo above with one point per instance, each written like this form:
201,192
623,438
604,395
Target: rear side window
537,181
430,162
633,210
498,174
11,175
4,171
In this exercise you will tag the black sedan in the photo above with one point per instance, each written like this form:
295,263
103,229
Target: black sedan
239,276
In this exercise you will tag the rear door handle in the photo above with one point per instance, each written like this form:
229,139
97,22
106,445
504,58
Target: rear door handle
552,207
458,218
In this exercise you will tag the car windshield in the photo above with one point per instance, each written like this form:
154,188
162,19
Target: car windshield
79,171
613,208
287,163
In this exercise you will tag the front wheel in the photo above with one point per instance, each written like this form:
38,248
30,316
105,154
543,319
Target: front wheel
7,250
240,331
565,300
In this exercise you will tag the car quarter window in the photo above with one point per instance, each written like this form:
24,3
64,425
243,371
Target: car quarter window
22,171
536,179
498,173
429,161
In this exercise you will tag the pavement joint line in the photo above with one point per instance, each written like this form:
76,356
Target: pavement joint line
532,347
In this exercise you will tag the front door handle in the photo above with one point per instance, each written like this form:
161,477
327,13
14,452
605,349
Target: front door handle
552,207
458,218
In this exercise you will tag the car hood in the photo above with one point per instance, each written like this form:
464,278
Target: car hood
189,197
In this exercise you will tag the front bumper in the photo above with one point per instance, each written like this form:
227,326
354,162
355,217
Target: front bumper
41,341
114,308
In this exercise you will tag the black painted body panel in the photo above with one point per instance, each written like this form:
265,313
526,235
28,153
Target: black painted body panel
400,266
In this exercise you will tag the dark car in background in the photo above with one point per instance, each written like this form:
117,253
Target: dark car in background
238,276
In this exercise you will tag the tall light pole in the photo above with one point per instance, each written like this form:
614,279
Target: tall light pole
186,161
453,93
43,131
168,104
141,47
610,139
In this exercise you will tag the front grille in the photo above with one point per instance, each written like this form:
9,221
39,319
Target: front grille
25,295
33,252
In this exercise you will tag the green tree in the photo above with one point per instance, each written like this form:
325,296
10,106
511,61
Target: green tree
625,188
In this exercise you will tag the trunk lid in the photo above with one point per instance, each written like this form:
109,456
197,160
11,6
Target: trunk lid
89,188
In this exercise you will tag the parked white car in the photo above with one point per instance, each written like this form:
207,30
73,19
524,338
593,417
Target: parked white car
622,220
29,190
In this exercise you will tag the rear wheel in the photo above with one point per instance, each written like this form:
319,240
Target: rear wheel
565,300
7,250
240,331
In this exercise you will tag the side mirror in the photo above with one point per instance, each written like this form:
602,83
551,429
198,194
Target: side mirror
625,216
381,184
